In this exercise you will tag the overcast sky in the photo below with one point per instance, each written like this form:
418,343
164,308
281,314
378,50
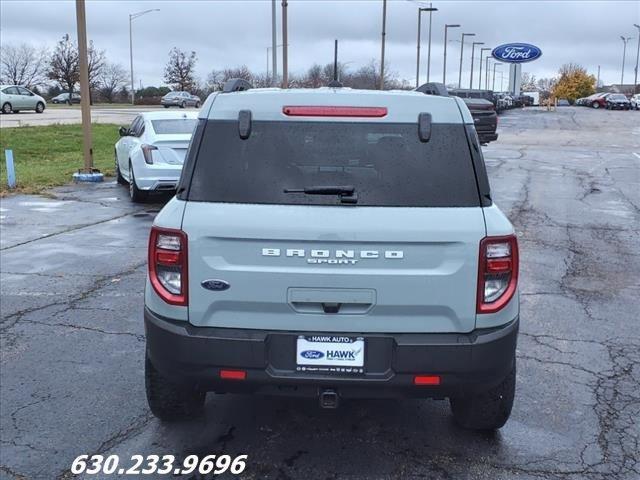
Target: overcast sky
233,33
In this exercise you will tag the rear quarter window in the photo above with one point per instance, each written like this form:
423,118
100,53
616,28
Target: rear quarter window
386,163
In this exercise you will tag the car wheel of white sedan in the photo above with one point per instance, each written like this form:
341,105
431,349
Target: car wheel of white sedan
135,193
40,107
6,108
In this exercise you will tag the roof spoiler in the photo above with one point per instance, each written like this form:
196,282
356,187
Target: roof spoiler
236,85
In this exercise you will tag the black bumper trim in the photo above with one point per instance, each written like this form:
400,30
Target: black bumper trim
465,362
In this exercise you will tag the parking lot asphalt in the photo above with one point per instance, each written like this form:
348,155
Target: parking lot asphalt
120,115
72,339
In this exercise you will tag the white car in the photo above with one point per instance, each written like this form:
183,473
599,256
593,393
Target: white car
150,154
635,102
14,98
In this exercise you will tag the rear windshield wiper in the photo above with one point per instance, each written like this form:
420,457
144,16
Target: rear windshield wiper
346,192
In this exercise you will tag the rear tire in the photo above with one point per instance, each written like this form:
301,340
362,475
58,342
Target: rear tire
119,178
170,401
136,195
197,104
487,410
40,107
595,105
166,106
183,105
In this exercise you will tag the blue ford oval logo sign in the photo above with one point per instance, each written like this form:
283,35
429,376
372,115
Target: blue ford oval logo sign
516,52
215,285
312,354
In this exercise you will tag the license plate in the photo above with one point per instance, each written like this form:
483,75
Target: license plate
330,353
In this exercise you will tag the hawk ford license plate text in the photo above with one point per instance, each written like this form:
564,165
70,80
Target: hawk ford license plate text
339,353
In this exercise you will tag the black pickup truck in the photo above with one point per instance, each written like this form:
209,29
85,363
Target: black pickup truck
482,109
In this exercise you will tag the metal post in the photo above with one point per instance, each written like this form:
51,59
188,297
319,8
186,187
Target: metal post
418,55
87,143
494,77
133,98
274,41
635,80
431,10
268,78
461,51
486,74
624,54
444,66
285,52
11,172
384,26
482,50
598,79
473,49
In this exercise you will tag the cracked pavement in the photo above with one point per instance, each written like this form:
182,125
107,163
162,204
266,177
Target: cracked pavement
72,267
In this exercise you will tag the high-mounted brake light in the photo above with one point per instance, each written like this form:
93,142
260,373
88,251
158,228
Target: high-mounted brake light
497,273
326,111
168,265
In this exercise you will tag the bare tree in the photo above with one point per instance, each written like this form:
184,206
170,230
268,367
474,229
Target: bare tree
96,63
112,79
23,65
528,83
64,66
179,72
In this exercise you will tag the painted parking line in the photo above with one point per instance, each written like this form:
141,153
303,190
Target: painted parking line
636,154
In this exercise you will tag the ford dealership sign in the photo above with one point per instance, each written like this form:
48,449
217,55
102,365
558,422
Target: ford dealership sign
516,52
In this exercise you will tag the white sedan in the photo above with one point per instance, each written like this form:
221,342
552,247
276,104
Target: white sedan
14,98
150,154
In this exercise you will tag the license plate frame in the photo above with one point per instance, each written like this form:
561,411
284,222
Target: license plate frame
341,354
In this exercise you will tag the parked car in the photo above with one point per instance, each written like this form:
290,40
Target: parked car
617,101
581,102
14,98
269,272
151,151
634,102
64,98
597,100
485,118
180,99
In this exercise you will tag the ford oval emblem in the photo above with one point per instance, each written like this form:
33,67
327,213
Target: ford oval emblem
516,52
312,354
215,285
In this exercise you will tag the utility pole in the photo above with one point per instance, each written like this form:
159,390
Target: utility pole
461,51
420,10
431,10
486,74
494,77
384,27
635,80
444,67
473,49
624,54
87,174
285,52
274,41
482,50
598,79
132,17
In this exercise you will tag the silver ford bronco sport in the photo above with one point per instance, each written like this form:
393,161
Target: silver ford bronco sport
333,243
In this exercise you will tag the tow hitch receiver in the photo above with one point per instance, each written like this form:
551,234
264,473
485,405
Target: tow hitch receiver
329,399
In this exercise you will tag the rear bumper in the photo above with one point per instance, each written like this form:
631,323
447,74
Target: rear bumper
464,362
161,177
487,137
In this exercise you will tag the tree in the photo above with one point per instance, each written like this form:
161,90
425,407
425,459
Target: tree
179,72
528,83
23,65
113,78
64,66
574,82
96,63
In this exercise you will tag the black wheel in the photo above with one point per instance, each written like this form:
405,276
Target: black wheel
170,401
197,104
6,108
183,104
119,178
166,106
487,410
135,193
69,102
595,105
40,107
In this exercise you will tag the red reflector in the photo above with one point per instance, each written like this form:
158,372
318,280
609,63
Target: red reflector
319,111
167,257
233,374
426,380
497,265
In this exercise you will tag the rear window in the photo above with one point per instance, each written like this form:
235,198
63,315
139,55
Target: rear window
386,163
174,126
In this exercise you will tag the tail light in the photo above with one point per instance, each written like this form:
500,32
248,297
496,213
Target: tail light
168,265
147,153
497,273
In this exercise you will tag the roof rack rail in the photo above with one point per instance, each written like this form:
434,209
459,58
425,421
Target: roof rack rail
236,85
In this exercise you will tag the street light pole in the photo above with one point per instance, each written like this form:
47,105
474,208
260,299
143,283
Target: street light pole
431,10
132,17
482,50
473,49
461,51
285,51
420,10
635,80
494,77
384,33
486,74
274,41
444,67
624,54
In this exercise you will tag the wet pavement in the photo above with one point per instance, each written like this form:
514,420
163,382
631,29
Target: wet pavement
72,341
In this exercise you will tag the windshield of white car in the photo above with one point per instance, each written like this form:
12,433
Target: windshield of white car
174,126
